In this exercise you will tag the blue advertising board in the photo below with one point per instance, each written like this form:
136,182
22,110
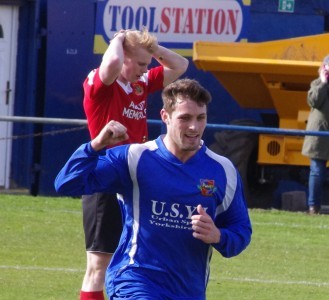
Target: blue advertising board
176,24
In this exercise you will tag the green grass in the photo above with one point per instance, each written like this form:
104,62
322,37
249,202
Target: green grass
42,250
42,254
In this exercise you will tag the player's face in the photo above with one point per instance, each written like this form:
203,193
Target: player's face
185,127
135,64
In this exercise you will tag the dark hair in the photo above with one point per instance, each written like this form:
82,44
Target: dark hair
185,88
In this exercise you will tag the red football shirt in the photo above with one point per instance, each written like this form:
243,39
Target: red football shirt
123,103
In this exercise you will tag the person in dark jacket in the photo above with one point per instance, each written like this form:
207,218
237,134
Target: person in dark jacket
317,147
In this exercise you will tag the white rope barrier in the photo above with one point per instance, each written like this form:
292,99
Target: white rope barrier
43,120
256,129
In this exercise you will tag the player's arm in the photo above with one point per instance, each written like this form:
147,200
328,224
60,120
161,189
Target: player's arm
113,133
112,61
88,170
230,239
174,64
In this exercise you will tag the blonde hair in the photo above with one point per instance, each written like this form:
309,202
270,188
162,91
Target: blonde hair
140,38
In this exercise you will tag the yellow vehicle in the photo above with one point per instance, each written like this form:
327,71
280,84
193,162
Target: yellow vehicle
267,75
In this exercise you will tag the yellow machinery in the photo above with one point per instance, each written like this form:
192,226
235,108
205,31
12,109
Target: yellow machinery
267,75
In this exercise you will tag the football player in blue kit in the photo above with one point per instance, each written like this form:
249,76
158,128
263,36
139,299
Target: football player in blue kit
179,199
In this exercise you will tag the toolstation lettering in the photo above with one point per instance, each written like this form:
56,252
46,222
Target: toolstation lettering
177,20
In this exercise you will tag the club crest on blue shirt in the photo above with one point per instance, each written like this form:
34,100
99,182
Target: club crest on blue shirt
207,187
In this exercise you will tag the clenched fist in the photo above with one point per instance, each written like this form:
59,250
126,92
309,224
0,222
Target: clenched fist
113,133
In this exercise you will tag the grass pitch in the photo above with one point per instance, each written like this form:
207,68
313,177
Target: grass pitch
42,254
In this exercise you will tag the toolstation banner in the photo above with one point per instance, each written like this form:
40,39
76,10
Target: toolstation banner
177,24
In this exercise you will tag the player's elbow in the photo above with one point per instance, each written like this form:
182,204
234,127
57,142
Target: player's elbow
183,66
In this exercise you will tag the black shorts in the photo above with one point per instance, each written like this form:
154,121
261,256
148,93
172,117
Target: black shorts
102,222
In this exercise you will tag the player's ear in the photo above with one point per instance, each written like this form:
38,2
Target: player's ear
164,116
